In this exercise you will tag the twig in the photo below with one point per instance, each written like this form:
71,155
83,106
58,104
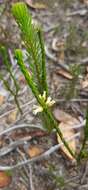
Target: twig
13,145
31,179
84,173
72,100
85,186
80,125
28,171
84,61
53,58
22,180
38,158
11,57
19,127
8,112
6,78
80,12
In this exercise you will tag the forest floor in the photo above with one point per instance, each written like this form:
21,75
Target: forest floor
65,27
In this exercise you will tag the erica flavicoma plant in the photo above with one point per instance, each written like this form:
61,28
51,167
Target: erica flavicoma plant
37,81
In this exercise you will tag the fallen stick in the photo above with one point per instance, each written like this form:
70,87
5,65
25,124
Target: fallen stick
38,158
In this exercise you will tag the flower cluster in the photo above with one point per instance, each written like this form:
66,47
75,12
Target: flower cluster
48,101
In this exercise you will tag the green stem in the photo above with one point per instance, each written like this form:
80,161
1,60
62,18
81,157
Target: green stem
18,105
55,126
85,138
44,83
53,122
11,91
28,46
6,61
81,151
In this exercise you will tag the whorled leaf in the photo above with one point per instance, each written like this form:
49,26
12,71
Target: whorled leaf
31,40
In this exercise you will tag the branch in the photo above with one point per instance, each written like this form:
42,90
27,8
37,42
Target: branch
13,145
20,127
38,158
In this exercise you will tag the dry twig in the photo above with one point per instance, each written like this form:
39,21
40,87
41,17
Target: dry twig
38,158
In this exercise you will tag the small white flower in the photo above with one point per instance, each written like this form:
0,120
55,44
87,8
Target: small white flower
48,101
43,96
37,109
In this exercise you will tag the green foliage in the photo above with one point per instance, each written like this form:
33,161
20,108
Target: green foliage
83,152
9,173
86,126
6,62
71,90
2,7
50,120
75,70
45,115
74,41
28,77
32,37
33,41
58,179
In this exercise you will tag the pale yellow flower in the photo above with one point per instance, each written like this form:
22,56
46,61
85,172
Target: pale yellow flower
48,101
43,96
37,109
